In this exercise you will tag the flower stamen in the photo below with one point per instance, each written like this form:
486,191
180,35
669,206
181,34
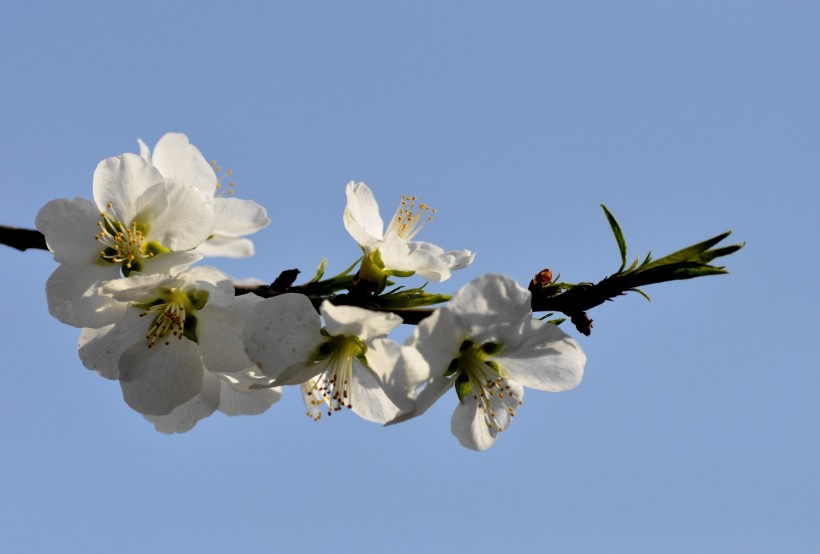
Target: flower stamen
173,314
482,378
313,399
124,244
221,177
332,386
410,218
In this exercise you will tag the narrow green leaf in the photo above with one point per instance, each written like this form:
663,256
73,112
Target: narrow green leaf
689,253
619,236
710,255
320,271
642,293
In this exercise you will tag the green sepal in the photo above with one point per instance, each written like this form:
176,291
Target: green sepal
323,351
155,248
452,368
492,348
463,387
136,266
466,345
197,298
189,328
371,275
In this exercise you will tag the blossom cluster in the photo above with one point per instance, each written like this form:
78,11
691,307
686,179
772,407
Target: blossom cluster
183,345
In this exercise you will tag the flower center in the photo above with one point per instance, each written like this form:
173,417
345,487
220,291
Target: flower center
173,313
221,177
125,245
481,377
410,218
332,386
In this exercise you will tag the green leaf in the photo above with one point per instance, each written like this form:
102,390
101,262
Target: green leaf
691,253
619,236
642,293
320,271
401,298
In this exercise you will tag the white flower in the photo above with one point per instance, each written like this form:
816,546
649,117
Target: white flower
393,248
487,346
174,332
344,364
180,161
137,222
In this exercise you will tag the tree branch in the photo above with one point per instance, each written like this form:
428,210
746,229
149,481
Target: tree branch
22,239
573,300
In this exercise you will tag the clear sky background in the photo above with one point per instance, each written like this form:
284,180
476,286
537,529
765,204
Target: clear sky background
695,428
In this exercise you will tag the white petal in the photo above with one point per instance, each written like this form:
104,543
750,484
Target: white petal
169,261
236,217
100,349
361,215
357,322
280,332
367,398
140,287
546,358
399,369
145,287
121,181
469,426
298,373
180,161
226,247
179,217
487,306
145,151
70,227
434,390
184,417
233,403
156,380
219,332
429,261
438,339
75,299
210,278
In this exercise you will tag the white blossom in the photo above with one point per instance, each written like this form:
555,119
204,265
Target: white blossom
393,249
487,346
343,364
138,222
175,332
180,161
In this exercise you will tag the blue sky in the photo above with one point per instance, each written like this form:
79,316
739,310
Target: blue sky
696,426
